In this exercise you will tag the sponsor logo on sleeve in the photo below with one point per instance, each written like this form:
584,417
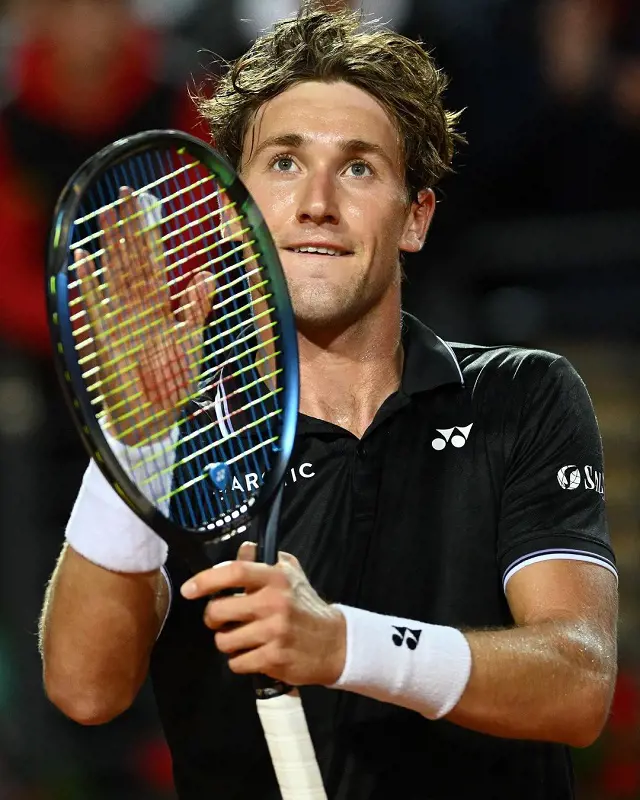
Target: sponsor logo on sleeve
572,477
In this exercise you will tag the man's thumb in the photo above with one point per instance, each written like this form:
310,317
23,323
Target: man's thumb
247,552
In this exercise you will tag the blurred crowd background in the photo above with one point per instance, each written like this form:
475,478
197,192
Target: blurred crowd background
536,242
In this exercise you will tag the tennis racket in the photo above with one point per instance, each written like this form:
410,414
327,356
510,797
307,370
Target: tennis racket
176,347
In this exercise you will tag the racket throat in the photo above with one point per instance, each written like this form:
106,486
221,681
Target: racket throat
266,530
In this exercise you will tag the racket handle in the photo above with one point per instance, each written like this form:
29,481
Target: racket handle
294,759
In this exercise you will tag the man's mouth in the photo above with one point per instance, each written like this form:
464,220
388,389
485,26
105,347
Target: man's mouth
321,251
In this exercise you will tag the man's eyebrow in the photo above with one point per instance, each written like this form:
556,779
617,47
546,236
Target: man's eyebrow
362,147
296,140
293,140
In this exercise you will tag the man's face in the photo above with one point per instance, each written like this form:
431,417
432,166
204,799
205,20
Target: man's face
324,164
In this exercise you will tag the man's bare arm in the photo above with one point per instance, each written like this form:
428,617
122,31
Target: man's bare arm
97,631
552,677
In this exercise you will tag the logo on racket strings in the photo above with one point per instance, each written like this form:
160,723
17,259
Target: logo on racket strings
219,475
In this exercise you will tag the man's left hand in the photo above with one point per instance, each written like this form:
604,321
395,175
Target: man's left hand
278,626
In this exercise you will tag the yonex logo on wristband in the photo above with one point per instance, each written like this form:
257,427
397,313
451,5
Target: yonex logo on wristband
406,636
456,436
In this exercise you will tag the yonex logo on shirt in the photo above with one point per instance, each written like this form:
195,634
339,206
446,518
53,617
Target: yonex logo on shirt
456,436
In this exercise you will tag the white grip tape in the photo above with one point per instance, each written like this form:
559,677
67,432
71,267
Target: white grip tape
294,759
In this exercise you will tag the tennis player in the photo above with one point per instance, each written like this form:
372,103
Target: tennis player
449,608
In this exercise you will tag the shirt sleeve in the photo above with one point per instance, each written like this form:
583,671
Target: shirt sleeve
553,505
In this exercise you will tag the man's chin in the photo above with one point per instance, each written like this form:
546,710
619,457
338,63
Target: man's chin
315,300
329,317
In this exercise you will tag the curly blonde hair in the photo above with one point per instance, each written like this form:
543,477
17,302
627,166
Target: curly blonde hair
318,45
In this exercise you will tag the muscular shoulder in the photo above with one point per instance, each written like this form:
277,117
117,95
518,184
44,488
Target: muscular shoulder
506,362
517,374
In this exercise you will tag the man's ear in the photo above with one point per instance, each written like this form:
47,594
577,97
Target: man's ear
418,221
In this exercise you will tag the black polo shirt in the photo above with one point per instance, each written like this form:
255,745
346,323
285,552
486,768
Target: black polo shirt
486,459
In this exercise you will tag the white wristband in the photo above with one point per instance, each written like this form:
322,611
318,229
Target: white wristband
150,466
411,664
103,529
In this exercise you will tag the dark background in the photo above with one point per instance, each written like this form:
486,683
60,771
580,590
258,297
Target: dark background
536,241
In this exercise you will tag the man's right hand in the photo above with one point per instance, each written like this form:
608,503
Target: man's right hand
148,357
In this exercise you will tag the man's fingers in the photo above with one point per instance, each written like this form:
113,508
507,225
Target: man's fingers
132,242
147,219
247,551
231,224
287,558
229,609
113,265
144,273
151,223
91,326
193,312
258,661
196,303
243,637
129,243
233,575
90,291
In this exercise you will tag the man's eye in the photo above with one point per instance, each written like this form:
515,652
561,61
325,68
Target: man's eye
360,169
283,164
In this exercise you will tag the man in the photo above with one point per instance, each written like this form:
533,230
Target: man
444,502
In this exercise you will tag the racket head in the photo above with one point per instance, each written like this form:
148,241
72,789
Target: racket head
239,418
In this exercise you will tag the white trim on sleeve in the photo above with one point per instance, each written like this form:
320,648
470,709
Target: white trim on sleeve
557,556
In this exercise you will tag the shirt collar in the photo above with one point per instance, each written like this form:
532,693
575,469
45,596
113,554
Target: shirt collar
429,361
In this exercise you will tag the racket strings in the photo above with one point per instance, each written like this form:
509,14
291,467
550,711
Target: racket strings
142,215
162,433
181,171
223,240
144,460
232,452
98,399
179,295
170,196
195,454
185,226
214,423
128,335
97,388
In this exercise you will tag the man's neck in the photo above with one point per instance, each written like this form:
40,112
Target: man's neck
347,380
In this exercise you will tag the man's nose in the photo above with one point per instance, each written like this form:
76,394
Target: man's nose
319,201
